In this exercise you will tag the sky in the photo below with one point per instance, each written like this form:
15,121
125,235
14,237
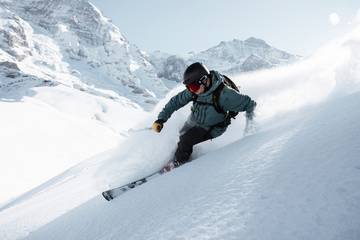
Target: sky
179,27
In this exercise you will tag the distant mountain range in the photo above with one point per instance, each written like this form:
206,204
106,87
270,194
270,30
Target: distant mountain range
230,57
57,42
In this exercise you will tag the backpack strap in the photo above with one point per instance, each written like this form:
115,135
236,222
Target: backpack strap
216,96
230,83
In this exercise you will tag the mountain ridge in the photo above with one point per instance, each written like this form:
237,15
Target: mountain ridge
228,57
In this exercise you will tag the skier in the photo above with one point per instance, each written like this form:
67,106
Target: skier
214,104
216,100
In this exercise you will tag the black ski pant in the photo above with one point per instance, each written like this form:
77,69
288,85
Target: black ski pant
188,138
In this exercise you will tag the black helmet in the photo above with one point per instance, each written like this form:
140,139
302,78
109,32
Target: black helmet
194,72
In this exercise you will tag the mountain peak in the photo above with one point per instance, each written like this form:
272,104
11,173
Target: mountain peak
229,56
256,42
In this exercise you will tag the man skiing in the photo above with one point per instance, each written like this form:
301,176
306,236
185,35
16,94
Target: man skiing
214,103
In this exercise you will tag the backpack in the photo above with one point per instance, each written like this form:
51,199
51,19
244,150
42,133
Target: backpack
216,95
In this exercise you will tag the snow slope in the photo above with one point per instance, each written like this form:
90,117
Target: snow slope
67,78
56,128
297,181
297,177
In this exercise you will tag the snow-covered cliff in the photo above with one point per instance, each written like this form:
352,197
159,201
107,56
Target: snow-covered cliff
71,43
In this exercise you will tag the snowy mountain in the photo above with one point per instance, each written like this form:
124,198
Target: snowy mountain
71,43
170,67
230,57
295,177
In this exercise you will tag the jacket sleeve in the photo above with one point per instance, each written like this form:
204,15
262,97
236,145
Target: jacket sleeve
231,100
175,103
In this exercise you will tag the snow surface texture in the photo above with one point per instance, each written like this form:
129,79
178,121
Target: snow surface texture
297,177
46,134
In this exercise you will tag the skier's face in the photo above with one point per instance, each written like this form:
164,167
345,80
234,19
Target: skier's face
198,87
200,90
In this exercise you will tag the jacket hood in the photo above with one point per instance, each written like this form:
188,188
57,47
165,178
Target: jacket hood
216,80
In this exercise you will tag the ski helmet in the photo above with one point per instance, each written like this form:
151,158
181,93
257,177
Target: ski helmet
195,72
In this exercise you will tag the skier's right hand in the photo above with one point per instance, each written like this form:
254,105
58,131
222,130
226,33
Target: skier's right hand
158,125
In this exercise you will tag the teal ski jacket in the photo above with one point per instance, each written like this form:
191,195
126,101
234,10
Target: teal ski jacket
205,115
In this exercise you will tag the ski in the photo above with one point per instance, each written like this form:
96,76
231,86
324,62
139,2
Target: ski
115,192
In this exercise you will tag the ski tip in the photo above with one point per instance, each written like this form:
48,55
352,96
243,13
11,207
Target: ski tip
107,196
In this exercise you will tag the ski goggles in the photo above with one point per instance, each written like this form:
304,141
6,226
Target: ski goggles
195,86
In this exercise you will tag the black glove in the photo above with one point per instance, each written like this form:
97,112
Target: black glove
158,125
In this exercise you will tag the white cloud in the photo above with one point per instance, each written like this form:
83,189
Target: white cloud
334,19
